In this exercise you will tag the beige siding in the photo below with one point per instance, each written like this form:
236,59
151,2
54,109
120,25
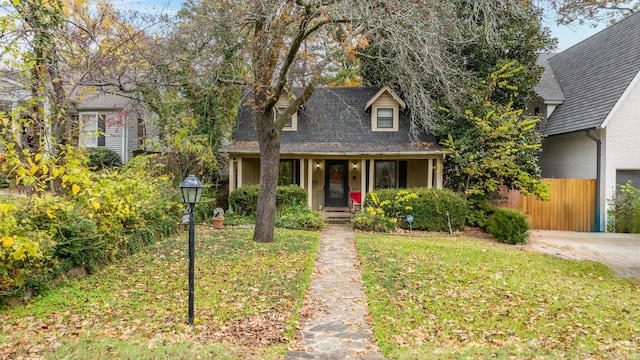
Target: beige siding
417,173
250,171
385,100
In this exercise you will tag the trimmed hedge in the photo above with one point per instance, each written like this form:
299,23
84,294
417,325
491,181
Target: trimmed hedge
429,207
244,201
508,226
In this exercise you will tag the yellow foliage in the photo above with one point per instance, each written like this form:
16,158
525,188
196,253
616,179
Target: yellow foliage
75,189
7,242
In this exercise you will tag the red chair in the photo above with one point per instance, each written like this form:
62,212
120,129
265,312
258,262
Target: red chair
356,200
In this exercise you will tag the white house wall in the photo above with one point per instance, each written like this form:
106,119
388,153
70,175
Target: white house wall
623,138
568,156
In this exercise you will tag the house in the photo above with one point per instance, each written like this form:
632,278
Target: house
340,145
111,121
101,119
589,97
12,95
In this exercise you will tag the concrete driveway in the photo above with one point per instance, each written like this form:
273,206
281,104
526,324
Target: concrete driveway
621,252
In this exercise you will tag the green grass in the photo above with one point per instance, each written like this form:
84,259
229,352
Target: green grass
247,298
471,298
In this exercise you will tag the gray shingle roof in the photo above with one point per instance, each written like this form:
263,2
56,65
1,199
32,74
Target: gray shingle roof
548,88
104,101
334,121
593,75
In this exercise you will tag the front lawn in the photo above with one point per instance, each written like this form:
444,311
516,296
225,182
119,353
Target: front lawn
247,298
472,298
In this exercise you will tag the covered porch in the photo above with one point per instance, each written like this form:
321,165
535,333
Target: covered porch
341,182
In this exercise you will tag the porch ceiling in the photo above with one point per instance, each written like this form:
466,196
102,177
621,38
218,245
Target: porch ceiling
420,149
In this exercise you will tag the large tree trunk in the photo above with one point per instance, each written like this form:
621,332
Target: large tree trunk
269,140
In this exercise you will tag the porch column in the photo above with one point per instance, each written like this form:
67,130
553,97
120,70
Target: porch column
232,174
439,173
302,182
310,183
372,174
363,182
429,173
239,172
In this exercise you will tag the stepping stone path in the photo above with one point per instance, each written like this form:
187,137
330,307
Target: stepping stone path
335,325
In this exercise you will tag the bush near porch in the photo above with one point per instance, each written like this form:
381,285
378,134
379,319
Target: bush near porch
429,208
244,200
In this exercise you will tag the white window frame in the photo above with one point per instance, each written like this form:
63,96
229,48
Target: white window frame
88,129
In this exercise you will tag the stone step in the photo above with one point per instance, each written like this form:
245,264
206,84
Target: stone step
338,217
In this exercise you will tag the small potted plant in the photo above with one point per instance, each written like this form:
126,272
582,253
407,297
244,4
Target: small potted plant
218,218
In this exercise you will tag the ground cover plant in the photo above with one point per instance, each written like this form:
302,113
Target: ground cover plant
461,297
247,297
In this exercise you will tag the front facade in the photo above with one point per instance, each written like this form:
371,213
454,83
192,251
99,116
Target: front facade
590,98
113,122
340,145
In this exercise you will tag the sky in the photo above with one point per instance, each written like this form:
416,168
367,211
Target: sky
567,35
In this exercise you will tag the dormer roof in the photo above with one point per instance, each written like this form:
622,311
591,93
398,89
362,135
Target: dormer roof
390,91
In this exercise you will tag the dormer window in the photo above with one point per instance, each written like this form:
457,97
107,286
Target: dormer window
281,106
280,110
385,110
385,118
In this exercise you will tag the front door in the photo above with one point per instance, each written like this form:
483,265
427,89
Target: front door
335,184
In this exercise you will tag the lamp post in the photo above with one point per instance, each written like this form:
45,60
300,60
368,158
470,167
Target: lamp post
191,189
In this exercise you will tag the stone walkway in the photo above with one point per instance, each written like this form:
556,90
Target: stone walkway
335,327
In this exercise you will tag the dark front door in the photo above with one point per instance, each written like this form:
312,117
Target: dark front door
335,184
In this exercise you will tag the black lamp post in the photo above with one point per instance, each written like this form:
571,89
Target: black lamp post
191,189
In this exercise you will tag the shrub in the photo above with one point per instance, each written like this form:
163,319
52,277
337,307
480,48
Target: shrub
23,253
102,158
429,207
244,201
366,221
102,217
299,218
233,219
508,226
624,210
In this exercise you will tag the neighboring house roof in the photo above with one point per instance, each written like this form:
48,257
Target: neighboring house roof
333,121
594,75
104,101
548,88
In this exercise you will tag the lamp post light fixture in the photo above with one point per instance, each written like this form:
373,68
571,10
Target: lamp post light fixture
191,188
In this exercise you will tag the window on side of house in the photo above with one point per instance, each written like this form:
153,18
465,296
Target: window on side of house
625,176
92,130
385,174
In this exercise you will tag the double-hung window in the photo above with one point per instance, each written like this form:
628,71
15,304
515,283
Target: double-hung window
385,118
93,128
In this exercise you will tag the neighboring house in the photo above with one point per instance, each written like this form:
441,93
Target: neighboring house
12,95
340,145
590,99
102,119
111,121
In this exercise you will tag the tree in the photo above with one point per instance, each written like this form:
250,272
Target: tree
585,11
493,143
293,43
60,51
484,126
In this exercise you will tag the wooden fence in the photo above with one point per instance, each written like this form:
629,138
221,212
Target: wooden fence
572,206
